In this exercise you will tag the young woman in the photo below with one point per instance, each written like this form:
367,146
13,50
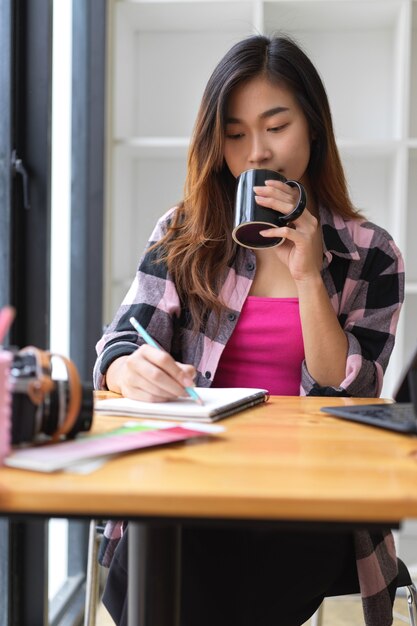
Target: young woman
316,316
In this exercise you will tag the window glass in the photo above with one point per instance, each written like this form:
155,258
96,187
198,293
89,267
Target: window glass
58,556
60,243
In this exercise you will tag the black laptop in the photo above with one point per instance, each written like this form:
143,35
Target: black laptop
400,415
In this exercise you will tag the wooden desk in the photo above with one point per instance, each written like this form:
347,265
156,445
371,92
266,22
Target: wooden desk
282,461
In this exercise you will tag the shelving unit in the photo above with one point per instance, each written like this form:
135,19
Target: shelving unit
160,57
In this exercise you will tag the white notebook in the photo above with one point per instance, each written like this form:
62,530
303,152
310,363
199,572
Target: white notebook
218,403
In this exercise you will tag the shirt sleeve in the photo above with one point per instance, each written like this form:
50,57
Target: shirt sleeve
368,309
152,299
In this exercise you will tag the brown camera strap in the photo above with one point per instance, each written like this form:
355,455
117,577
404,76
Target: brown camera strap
44,385
74,402
37,389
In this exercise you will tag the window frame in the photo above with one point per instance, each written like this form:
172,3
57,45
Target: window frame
25,126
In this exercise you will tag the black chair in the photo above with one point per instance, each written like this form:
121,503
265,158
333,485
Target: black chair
348,584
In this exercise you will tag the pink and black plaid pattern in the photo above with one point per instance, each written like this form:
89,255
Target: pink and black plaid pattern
362,270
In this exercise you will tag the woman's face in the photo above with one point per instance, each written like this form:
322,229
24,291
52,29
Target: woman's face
266,128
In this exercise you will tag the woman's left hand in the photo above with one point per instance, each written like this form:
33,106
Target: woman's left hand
302,250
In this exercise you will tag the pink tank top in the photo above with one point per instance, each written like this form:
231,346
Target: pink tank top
266,348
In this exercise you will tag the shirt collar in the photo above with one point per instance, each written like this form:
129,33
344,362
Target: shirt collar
337,238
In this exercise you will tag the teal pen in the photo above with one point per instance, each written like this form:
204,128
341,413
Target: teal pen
149,340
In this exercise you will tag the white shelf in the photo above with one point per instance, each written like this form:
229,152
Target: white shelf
143,188
361,70
164,56
154,142
409,317
333,15
372,185
374,148
378,148
184,16
411,235
153,147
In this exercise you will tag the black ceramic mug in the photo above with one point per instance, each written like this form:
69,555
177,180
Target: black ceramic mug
251,218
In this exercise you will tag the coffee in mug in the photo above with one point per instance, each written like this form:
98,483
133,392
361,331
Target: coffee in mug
250,218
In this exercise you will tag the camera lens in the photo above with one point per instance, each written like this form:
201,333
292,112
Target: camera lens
48,399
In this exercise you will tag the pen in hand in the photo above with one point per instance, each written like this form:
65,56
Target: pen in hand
150,341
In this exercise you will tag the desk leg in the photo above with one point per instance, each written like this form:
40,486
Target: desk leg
154,573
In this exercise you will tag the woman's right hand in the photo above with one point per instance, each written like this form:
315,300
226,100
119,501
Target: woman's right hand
150,375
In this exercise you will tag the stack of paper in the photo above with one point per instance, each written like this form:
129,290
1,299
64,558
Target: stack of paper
218,403
51,457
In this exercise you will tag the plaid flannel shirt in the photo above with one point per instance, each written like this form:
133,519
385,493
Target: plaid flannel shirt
363,273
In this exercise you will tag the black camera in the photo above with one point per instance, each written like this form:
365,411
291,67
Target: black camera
48,400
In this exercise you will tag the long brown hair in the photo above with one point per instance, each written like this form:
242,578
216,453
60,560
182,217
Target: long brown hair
198,246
